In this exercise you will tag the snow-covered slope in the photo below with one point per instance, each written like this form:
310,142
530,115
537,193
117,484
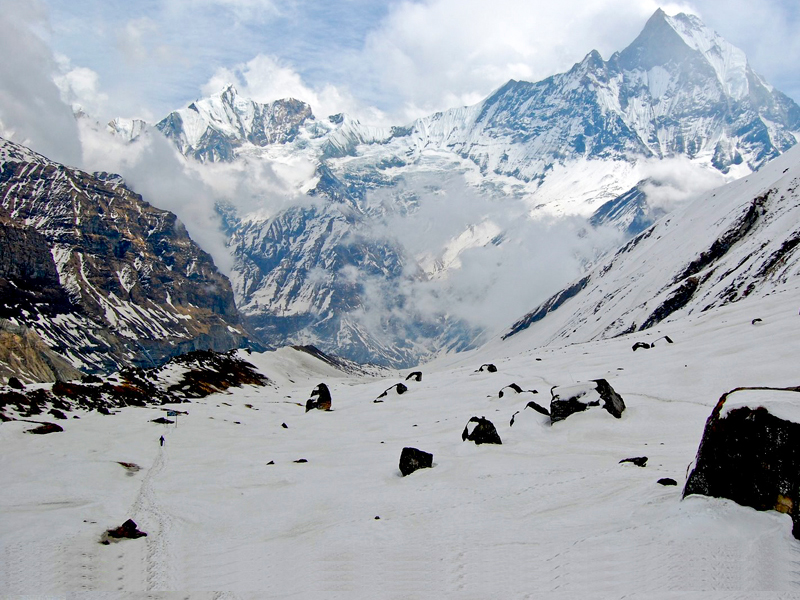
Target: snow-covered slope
737,241
231,509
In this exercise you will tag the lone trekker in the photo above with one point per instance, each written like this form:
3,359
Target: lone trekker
162,440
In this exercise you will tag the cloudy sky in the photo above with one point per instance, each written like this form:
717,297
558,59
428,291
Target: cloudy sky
385,60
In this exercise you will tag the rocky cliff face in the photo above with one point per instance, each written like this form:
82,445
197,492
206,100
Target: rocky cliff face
105,279
318,274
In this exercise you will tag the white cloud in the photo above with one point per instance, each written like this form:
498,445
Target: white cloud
442,53
434,54
31,110
493,282
266,78
136,39
677,180
81,86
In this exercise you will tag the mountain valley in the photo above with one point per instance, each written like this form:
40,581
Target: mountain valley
489,353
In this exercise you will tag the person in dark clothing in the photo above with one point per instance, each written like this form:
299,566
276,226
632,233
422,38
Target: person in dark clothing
162,440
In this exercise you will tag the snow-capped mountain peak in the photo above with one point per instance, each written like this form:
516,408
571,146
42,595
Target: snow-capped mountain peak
213,128
682,37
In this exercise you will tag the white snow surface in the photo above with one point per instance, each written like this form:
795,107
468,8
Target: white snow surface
782,404
550,513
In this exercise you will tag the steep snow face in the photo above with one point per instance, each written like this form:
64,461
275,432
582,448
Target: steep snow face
728,61
738,241
629,212
127,129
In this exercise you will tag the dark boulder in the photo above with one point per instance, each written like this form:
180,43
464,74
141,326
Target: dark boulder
400,388
412,459
567,400
750,451
320,398
481,431
667,481
162,421
127,530
639,461
641,345
45,428
15,384
487,367
416,376
57,413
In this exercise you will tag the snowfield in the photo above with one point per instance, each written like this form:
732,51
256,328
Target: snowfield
551,512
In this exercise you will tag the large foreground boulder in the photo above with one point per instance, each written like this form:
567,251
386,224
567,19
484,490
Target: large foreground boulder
750,451
566,400
412,459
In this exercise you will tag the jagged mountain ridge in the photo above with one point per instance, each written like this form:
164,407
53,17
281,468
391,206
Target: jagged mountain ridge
213,128
102,277
739,240
677,89
575,142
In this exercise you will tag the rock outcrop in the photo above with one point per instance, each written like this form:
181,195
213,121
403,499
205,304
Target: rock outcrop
186,377
567,400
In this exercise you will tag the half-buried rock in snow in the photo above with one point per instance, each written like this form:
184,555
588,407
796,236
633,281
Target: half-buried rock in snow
481,431
399,388
320,398
128,530
566,400
412,459
750,451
